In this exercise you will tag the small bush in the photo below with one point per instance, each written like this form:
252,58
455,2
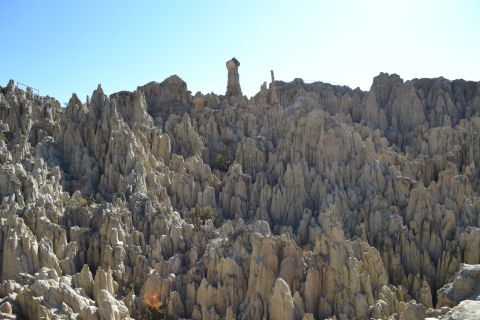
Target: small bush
2,137
152,313
221,163
199,215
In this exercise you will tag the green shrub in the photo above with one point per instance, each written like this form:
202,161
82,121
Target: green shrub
152,313
2,137
199,215
221,163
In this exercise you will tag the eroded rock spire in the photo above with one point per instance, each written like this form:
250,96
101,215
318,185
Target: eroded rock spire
233,85
274,98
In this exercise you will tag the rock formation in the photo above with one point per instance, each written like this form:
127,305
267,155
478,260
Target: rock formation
233,82
308,201
273,94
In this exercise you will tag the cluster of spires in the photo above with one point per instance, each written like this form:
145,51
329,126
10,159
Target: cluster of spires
233,85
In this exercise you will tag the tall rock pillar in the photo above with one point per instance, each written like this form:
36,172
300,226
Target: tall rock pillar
273,97
233,85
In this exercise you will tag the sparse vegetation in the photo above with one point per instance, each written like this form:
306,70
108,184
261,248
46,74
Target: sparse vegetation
2,137
128,288
199,215
152,313
221,163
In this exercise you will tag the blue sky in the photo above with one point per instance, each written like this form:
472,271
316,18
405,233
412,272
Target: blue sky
70,46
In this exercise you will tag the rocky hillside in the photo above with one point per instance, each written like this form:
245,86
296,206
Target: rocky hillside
307,201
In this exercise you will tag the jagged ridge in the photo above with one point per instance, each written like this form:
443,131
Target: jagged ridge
338,201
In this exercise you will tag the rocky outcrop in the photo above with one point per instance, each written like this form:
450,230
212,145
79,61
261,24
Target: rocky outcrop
168,97
310,201
466,310
466,285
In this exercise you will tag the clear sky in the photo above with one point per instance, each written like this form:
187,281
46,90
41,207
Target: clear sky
62,47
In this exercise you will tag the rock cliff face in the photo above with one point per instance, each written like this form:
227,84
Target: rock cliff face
308,201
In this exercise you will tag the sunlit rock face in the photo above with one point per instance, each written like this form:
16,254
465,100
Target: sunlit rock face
308,201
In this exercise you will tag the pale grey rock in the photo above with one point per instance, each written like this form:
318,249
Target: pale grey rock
185,140
84,279
132,107
358,201
103,281
109,308
465,310
281,302
466,285
414,311
166,97
89,313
